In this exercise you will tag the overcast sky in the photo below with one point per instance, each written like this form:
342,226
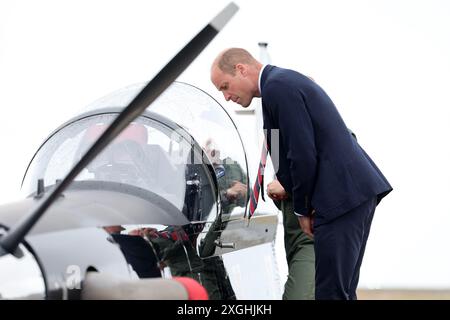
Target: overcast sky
384,63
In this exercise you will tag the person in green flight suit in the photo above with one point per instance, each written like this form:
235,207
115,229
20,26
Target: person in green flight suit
299,248
231,178
232,184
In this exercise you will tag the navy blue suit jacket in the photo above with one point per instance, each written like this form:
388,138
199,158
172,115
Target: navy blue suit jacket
320,163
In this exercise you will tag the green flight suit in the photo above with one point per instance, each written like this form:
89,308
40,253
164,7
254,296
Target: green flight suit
233,173
300,257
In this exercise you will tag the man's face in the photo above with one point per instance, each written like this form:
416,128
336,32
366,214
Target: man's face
212,152
238,88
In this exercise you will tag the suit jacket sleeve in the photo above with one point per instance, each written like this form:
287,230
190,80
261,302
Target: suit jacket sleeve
297,135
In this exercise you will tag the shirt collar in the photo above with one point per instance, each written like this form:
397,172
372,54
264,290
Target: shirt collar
259,78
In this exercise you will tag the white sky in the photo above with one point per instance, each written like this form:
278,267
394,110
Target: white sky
385,63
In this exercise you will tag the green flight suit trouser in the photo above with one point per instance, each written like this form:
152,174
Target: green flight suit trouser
300,257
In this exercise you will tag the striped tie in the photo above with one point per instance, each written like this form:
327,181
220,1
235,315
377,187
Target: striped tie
258,186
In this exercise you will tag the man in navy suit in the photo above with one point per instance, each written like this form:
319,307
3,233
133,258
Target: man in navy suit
333,183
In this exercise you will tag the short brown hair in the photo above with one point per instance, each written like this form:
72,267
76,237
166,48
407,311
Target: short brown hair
231,57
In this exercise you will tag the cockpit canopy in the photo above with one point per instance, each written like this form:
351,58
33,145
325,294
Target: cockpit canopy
183,143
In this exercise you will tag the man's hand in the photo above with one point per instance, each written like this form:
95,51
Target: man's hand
238,190
144,232
275,191
306,224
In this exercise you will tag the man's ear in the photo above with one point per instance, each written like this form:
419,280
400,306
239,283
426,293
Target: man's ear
241,69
